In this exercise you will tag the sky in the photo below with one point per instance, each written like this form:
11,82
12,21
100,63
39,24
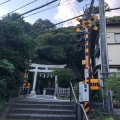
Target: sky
55,12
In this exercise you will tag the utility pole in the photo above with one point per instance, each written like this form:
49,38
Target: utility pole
104,53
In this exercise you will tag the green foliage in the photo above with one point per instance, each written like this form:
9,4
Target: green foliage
2,105
96,8
15,49
113,19
97,96
96,115
110,118
5,65
113,83
65,76
57,47
39,24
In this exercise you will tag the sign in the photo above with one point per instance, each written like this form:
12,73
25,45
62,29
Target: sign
83,92
94,84
86,62
83,62
86,73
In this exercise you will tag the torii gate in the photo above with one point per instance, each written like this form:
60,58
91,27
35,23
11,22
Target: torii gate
40,68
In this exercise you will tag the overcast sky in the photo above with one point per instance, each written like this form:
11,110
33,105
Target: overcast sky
67,9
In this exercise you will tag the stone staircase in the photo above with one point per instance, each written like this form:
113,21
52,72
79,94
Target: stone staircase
35,109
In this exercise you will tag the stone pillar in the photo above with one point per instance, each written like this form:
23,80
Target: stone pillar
33,92
56,85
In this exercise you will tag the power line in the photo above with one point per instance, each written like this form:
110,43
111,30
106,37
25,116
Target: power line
19,8
5,2
59,2
113,9
41,11
45,9
75,7
54,24
34,9
96,12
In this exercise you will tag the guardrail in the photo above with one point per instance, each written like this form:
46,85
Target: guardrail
77,101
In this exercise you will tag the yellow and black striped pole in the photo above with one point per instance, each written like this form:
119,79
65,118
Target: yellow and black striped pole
87,66
86,27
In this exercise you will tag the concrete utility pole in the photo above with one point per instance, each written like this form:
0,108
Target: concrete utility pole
104,52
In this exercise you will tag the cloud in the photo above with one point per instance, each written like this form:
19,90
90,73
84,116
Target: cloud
113,4
2,13
28,20
18,11
67,10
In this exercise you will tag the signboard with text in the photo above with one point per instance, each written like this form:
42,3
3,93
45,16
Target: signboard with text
83,92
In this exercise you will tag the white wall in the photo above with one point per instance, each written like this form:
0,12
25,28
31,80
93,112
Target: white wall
113,50
114,54
113,29
110,33
113,70
110,37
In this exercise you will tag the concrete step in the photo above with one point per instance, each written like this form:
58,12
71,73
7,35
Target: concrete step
42,111
41,117
39,109
50,106
44,102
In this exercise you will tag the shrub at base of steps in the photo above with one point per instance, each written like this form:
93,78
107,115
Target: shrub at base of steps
7,109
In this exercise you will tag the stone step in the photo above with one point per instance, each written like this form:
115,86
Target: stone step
50,106
42,111
44,102
41,117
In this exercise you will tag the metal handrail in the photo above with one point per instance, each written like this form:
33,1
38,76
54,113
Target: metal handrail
77,101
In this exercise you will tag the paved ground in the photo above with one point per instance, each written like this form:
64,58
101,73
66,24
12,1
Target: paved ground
116,111
42,98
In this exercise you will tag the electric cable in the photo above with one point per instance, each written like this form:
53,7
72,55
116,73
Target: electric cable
34,9
4,2
41,11
54,24
59,2
47,2
38,12
19,8
45,9
75,7
96,12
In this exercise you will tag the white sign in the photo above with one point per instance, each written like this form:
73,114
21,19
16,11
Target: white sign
86,73
83,92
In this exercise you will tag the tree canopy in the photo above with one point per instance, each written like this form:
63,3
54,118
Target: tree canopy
65,76
15,49
113,83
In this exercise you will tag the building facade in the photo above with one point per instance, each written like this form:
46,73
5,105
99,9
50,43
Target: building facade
113,44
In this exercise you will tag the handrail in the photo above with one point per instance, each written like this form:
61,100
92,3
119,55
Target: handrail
20,90
78,102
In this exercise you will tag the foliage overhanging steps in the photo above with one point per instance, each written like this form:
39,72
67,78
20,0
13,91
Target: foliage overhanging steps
27,109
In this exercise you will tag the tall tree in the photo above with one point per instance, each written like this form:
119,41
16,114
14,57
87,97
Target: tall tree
15,49
40,24
57,47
